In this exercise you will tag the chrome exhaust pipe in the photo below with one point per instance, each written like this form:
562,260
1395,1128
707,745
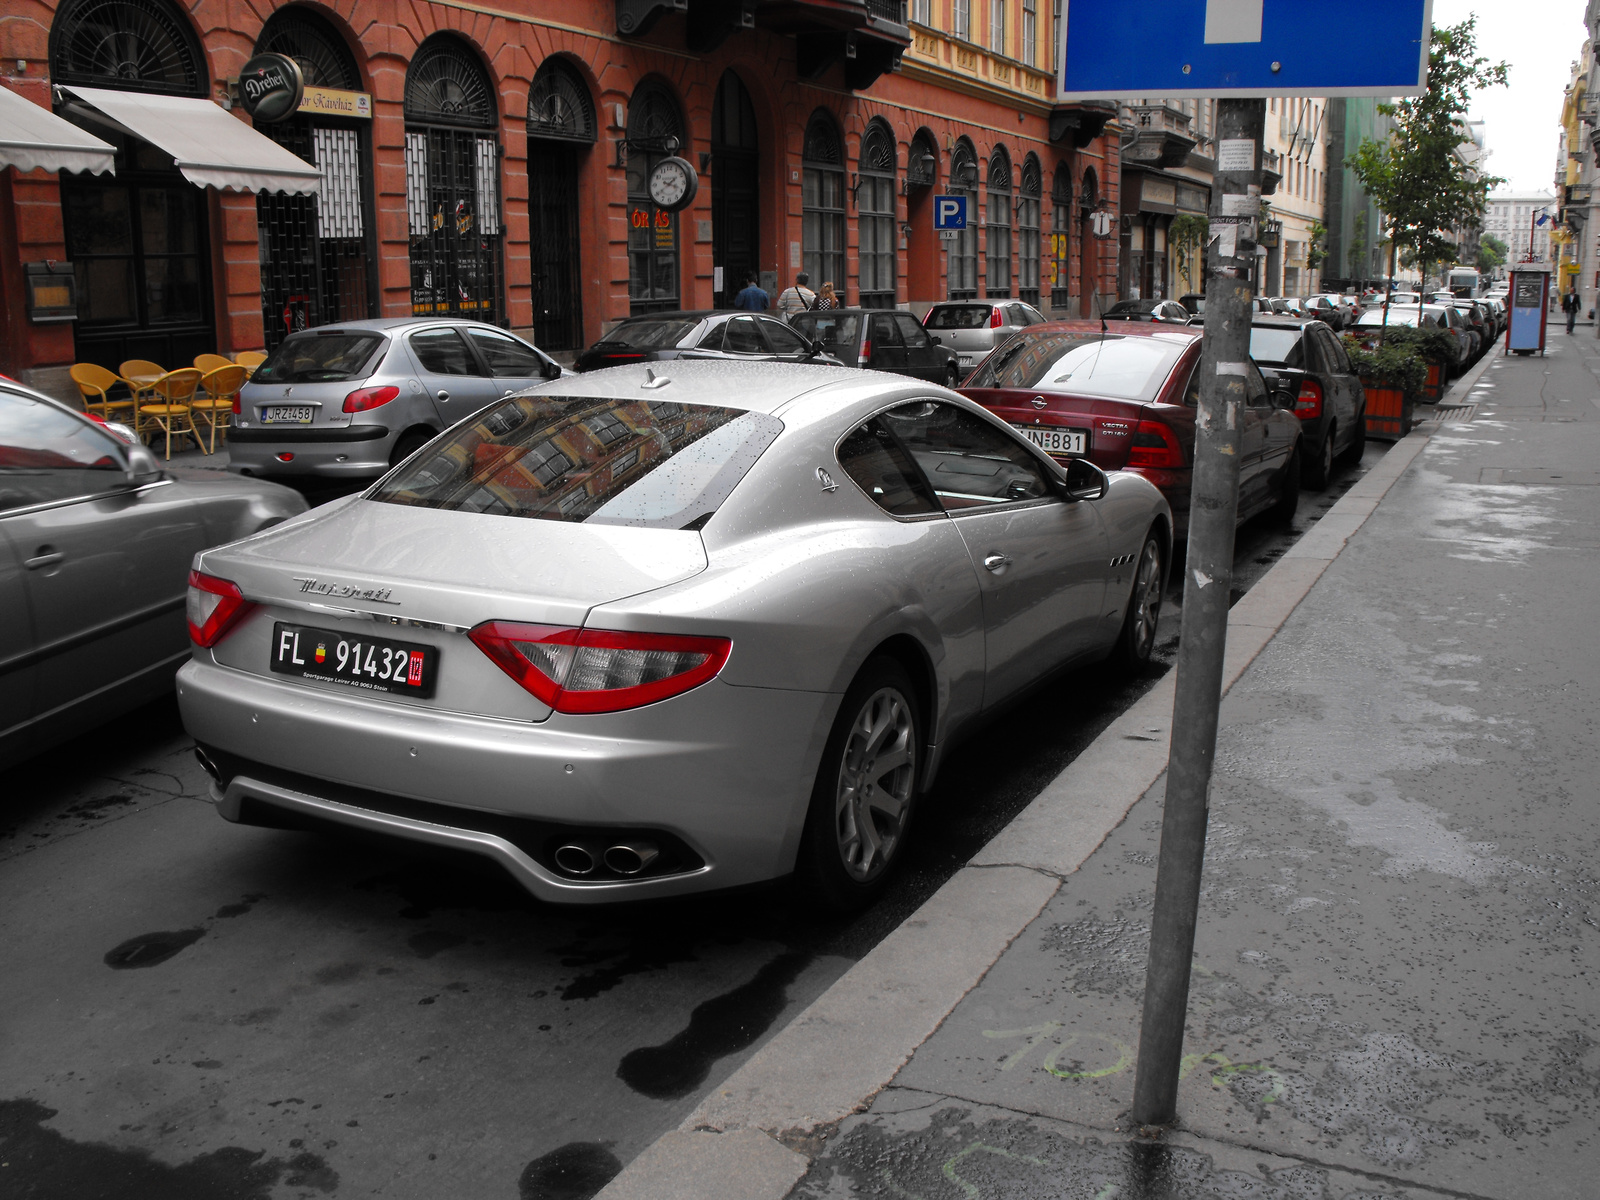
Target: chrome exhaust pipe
575,859
211,768
629,858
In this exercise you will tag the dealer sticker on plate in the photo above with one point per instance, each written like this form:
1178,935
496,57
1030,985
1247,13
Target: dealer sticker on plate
1057,441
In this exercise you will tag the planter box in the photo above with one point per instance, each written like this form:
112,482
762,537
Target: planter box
1388,413
1433,390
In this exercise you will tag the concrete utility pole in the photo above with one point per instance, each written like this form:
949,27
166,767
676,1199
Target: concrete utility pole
1208,582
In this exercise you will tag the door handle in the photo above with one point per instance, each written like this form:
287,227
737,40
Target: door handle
48,556
997,562
444,395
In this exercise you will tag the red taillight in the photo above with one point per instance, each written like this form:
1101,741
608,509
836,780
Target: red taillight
362,399
238,404
1155,445
995,319
599,670
214,607
1308,404
866,353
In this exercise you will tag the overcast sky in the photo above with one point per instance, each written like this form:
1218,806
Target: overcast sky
1539,39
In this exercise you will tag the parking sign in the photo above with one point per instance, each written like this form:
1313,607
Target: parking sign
949,212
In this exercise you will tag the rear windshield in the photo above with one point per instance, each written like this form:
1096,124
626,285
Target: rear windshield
651,463
1281,347
320,358
959,316
1085,364
1398,315
1132,306
648,335
842,331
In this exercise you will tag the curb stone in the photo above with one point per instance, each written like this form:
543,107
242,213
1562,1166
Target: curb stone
834,1057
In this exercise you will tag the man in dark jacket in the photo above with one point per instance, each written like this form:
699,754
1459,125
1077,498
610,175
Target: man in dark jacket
753,297
1570,304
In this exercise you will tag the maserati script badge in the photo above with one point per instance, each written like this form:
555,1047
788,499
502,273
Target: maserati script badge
346,591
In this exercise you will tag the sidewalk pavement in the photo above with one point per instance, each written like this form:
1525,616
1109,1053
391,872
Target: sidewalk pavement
1399,933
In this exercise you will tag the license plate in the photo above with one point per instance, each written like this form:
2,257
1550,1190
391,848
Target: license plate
371,663
1057,441
287,414
964,361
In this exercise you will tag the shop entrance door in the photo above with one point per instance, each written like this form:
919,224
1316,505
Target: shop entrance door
735,188
141,249
553,245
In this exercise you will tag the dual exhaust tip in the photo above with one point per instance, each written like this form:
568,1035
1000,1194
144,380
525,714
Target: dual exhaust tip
624,858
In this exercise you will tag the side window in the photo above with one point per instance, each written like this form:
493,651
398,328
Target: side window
1015,316
970,463
885,332
47,454
1333,351
916,337
783,339
712,340
504,354
1255,388
1191,393
742,337
442,352
882,469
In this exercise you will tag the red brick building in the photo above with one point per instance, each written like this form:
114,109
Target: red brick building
491,162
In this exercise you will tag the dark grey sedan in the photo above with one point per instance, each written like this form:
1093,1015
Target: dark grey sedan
881,341
732,335
95,543
1304,358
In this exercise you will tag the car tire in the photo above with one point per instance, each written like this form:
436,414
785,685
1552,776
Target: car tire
1358,444
1138,637
853,839
1317,474
952,376
1288,502
408,444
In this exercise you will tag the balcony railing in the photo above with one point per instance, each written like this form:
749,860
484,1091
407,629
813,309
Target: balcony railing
893,11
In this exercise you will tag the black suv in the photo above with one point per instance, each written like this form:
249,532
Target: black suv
1302,356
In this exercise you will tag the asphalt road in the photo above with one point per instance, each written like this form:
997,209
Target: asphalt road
195,1009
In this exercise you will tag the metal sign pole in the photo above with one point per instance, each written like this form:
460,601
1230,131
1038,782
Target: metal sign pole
1208,581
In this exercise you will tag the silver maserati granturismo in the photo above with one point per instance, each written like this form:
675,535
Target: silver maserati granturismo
664,628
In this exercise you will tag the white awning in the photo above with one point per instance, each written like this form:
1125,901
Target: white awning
211,148
33,137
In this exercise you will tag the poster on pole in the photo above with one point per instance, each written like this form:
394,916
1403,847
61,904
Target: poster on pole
1241,48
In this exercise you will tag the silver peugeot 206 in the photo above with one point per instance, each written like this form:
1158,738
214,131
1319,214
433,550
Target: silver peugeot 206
664,628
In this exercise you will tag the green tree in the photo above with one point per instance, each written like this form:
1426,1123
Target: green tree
1187,237
1418,178
1317,245
1492,253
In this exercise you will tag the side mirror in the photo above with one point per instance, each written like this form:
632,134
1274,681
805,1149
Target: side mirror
1084,481
551,369
143,466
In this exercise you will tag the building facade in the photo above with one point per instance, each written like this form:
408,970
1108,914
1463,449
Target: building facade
1168,159
493,164
1357,238
1514,219
1296,150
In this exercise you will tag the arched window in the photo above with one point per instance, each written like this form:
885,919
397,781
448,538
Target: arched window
324,59
822,202
998,219
655,131
875,209
315,250
559,106
1061,238
561,127
1028,232
963,260
131,45
452,183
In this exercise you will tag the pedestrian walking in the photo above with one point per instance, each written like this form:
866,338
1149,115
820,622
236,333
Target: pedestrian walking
1570,304
827,298
798,298
753,298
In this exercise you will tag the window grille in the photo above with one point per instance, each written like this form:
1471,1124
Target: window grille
875,206
998,249
1028,233
822,217
417,183
338,156
962,273
446,85
559,105
132,45
323,57
488,186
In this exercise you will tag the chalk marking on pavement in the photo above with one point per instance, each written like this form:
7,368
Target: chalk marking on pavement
949,1168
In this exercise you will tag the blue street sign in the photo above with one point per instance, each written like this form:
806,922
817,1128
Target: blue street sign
1243,48
949,212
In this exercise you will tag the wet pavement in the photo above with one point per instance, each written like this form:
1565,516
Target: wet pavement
200,1010
1393,991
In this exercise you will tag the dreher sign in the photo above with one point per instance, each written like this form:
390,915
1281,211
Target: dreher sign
271,87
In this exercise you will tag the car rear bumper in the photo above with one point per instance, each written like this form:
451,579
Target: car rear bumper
722,772
341,452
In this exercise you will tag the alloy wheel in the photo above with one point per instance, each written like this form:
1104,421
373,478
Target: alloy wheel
876,775
1146,600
